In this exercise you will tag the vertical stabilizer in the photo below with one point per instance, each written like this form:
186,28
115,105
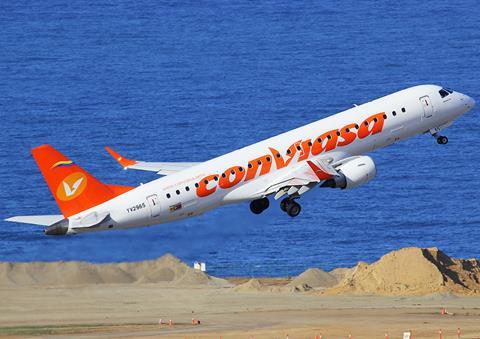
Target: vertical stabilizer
73,188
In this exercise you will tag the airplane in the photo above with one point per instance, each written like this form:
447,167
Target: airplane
326,153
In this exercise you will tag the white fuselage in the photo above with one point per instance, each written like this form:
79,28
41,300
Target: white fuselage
176,196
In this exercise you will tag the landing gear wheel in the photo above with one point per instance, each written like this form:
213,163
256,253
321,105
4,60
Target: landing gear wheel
259,205
442,140
284,203
293,209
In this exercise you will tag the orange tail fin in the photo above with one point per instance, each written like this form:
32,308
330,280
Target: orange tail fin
74,189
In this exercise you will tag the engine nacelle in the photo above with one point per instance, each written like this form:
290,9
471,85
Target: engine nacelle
353,173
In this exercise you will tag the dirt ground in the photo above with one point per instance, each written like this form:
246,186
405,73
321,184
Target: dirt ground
134,310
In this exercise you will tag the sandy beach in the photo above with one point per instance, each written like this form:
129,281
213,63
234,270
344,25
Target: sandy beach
226,308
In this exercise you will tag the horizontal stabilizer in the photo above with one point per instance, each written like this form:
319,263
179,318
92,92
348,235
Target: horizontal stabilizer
42,220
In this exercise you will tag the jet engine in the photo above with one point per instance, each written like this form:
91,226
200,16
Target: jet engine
352,173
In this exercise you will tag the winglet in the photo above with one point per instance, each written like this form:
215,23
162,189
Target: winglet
124,162
319,172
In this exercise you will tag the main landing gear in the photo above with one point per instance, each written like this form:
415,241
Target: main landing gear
290,206
259,205
287,205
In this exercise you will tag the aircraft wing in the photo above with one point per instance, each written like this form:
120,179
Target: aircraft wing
161,168
301,179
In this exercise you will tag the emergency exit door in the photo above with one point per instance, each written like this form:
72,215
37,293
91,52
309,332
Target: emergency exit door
427,106
154,204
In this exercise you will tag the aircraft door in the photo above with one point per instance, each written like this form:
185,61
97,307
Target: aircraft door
154,204
427,106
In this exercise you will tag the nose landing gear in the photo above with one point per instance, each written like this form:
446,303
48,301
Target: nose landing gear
442,140
291,207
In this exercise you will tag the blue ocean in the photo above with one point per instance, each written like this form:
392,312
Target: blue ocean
188,81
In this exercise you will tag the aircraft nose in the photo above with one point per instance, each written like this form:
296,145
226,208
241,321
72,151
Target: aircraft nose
470,102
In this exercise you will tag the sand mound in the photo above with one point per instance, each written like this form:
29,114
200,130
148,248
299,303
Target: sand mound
313,277
412,271
253,285
341,273
166,269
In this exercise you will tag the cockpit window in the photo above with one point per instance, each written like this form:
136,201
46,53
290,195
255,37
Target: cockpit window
448,90
443,92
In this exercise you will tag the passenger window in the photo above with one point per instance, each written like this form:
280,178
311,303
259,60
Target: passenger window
394,113
403,109
187,188
178,192
168,195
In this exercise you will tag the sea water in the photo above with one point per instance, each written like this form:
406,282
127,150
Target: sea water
188,81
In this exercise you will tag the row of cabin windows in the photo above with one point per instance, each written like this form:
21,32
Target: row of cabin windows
395,113
187,188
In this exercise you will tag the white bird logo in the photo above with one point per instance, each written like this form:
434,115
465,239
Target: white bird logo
69,191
